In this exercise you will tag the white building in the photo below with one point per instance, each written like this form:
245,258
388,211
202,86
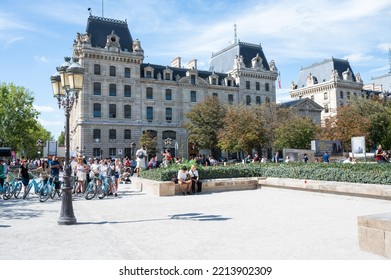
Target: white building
330,83
123,97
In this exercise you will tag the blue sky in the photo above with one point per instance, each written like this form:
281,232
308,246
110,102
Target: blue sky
36,35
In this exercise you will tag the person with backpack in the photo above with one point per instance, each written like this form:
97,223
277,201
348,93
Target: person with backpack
141,155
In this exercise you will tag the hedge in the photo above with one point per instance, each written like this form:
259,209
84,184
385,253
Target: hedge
368,173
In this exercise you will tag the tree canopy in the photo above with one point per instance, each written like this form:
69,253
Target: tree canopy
19,128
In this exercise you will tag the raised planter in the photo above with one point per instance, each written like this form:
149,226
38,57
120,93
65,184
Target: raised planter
374,234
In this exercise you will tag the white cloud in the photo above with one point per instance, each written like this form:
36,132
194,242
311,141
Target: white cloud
40,58
46,109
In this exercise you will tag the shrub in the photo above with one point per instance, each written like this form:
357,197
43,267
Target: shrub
355,173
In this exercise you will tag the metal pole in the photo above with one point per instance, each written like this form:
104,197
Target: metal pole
67,217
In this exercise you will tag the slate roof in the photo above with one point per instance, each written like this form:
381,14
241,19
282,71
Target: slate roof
178,71
322,71
99,28
297,102
223,60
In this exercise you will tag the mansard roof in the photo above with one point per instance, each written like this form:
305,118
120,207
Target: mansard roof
99,28
322,71
178,71
223,60
304,103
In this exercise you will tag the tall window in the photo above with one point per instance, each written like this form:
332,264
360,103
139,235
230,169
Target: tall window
149,93
97,152
325,96
96,134
168,94
97,110
258,100
267,87
112,134
348,95
127,134
257,86
127,91
149,74
112,152
169,114
247,84
112,90
341,94
193,79
112,111
112,71
127,72
214,81
127,111
248,100
326,108
97,88
96,69
193,96
231,99
149,114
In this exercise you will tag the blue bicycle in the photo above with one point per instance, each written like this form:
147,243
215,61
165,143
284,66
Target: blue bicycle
5,190
100,187
33,184
50,189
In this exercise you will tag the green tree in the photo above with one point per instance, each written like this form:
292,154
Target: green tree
204,120
61,139
295,133
19,128
242,129
150,143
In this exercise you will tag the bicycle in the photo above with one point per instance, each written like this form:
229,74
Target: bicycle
5,190
33,183
50,190
94,188
15,186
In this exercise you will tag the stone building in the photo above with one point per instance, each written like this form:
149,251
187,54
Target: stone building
123,97
330,83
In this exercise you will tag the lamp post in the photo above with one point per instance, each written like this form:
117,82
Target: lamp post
67,83
39,147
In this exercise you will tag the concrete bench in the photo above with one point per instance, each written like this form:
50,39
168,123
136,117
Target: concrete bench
168,188
374,233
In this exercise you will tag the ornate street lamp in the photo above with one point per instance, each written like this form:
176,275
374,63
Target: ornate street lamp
39,146
67,83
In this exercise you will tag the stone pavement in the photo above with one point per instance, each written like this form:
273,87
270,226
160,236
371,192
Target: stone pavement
262,224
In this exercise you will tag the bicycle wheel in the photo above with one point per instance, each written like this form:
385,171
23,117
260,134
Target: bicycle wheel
17,189
104,190
44,193
7,194
52,192
90,191
28,188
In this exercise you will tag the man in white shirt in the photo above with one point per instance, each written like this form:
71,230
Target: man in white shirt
141,155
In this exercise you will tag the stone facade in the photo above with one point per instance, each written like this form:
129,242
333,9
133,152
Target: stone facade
123,97
331,84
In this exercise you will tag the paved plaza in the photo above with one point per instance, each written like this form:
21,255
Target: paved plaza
262,224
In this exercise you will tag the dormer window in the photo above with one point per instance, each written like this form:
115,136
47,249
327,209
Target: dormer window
149,72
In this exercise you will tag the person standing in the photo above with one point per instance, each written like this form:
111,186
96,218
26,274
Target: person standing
24,174
379,154
141,155
2,173
55,167
80,170
326,157
305,158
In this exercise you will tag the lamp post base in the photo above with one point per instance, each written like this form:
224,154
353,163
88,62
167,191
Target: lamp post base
67,217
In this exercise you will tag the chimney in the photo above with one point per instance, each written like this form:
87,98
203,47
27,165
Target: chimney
192,64
176,62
